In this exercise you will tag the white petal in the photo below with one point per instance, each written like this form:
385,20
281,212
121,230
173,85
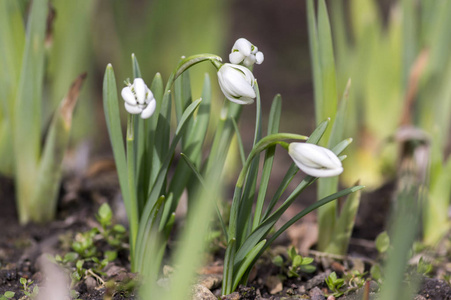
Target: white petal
320,172
149,96
254,49
128,96
149,110
259,57
132,109
236,57
243,46
140,90
248,75
236,84
315,156
249,61
242,100
315,160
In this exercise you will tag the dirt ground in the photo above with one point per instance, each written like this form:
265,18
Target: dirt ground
21,250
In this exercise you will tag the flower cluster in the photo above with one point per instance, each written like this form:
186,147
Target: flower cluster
237,81
244,52
139,99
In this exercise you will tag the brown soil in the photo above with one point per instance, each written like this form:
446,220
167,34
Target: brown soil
21,247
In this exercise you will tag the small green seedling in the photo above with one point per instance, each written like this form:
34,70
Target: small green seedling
29,292
355,280
70,257
335,284
79,272
424,267
298,263
104,215
8,295
114,235
84,243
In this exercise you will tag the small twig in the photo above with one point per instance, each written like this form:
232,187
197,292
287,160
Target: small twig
366,291
340,257
99,279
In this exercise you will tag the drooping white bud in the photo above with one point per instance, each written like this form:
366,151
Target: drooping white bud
315,160
237,83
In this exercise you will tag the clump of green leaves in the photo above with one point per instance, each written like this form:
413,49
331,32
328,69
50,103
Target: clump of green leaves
86,259
297,263
354,280
7,295
29,292
350,282
84,243
114,234
424,267
335,284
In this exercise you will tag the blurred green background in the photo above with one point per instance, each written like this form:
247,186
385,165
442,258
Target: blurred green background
86,35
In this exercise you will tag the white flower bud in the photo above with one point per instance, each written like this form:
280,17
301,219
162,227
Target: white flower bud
237,83
139,99
244,52
315,160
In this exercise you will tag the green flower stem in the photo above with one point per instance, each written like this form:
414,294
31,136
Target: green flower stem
131,173
187,63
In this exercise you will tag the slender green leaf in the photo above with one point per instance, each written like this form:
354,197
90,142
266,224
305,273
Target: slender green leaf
192,146
193,168
315,60
228,267
44,199
247,263
240,142
344,225
182,94
160,138
12,38
27,110
311,208
189,254
327,61
273,127
70,54
144,223
223,136
148,252
113,121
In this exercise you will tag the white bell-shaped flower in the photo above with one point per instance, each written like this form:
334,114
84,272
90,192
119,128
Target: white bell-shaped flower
244,52
315,160
139,99
237,83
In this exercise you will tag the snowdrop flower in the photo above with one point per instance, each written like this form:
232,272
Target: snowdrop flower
139,99
237,83
244,52
314,160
